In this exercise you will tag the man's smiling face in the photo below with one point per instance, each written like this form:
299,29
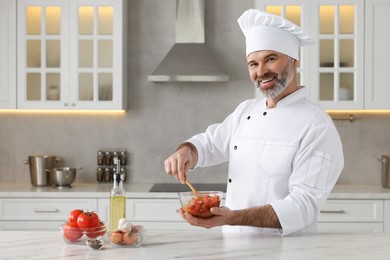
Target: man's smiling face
271,71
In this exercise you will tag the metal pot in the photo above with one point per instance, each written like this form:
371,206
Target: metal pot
38,165
386,171
63,177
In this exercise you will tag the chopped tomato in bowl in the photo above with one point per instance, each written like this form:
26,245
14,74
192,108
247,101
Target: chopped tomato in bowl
200,205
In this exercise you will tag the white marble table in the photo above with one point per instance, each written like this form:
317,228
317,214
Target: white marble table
201,245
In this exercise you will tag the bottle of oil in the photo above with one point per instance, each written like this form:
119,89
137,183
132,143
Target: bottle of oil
117,199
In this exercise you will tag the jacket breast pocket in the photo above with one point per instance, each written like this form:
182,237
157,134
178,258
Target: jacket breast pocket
276,157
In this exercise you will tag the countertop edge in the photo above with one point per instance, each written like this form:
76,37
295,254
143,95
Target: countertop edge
141,190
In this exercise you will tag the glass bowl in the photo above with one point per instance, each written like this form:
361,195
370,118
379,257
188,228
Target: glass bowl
74,235
127,239
199,206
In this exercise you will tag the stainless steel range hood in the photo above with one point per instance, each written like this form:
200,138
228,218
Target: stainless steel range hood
189,59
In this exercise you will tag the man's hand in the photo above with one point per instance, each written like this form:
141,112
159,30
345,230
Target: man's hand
262,216
185,157
221,217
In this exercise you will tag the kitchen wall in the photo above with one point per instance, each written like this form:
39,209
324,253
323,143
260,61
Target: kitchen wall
161,115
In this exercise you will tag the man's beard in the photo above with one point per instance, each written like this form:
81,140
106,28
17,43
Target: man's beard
282,81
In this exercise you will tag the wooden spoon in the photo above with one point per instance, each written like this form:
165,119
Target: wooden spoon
192,188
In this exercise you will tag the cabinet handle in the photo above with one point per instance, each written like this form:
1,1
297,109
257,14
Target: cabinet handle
73,104
46,210
65,104
332,211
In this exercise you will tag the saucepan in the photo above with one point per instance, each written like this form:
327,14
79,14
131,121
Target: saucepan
63,177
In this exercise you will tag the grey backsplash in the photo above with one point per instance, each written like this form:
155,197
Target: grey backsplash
160,116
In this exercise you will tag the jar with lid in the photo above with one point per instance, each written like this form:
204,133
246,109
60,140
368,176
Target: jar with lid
99,174
100,158
123,158
123,174
115,155
107,158
107,175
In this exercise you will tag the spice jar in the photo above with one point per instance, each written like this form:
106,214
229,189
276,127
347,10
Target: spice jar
107,175
99,174
114,155
100,158
123,174
107,158
123,158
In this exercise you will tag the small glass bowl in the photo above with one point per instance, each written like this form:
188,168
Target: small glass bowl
133,238
73,235
95,243
199,206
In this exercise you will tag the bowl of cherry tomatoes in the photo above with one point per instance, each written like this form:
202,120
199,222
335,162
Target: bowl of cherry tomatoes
199,205
82,226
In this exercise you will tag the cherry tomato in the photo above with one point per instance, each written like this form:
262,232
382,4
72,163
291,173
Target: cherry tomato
98,231
71,233
88,220
73,215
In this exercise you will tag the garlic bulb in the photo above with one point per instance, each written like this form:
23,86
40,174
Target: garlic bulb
125,225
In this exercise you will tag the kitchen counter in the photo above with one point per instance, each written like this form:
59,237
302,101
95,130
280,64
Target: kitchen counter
201,245
96,190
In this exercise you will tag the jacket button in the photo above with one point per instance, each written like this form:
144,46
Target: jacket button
264,113
230,180
249,117
235,147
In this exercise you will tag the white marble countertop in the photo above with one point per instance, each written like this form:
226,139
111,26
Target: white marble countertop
201,245
141,190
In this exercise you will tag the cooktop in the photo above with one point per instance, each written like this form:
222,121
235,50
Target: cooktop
178,187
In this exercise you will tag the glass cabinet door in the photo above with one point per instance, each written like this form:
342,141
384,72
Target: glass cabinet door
71,55
41,50
338,26
97,43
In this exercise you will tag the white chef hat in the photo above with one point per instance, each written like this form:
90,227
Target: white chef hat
265,31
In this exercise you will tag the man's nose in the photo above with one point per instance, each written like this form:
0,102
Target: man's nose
261,70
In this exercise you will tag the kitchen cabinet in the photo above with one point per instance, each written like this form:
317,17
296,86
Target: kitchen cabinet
377,89
71,54
153,214
39,213
8,54
352,216
346,69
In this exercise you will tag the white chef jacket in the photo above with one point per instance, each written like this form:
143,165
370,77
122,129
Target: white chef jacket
289,156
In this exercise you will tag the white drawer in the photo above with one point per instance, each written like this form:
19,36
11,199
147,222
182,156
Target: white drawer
352,211
42,209
153,209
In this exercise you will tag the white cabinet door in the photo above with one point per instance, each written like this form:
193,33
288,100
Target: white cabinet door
71,54
97,60
387,216
377,84
338,56
38,213
8,54
352,216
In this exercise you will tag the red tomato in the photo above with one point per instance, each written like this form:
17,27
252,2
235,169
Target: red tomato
72,233
98,231
88,220
73,215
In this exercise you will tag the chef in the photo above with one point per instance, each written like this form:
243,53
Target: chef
284,152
